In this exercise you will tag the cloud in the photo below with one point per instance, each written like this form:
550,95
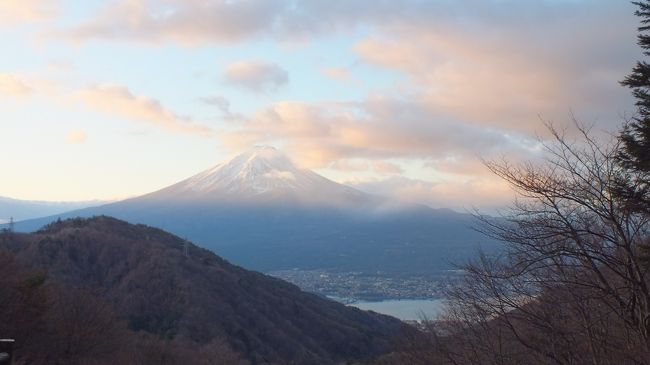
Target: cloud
472,77
499,63
188,22
219,101
60,65
377,129
18,11
12,85
193,22
495,63
76,137
496,70
487,192
337,73
462,78
358,165
349,165
468,166
257,76
384,167
119,101
223,105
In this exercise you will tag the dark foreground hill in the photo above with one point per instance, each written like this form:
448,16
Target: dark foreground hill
159,288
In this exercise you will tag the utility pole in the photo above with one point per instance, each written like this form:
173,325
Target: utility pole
11,224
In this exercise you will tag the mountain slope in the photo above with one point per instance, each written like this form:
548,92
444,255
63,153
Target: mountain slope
259,211
260,175
198,297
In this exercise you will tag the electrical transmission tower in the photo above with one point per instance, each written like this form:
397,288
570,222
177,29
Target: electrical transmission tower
11,224
186,248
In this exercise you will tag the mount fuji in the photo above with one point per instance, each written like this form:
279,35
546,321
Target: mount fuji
260,211
262,174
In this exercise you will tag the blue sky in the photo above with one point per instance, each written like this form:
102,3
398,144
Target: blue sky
109,99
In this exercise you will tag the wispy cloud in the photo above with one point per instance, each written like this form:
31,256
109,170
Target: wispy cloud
76,137
223,105
118,100
20,11
350,165
12,85
385,167
337,73
487,192
256,76
187,22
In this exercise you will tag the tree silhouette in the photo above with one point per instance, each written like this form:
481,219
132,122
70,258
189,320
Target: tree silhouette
635,137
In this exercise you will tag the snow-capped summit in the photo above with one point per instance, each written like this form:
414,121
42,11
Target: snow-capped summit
259,170
262,172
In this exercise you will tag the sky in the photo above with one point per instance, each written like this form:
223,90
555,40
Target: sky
112,99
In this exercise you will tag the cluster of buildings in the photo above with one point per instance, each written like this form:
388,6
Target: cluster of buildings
353,286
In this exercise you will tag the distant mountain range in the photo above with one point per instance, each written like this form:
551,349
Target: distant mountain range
260,211
29,209
183,296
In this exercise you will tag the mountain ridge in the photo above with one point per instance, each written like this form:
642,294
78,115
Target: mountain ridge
20,209
162,285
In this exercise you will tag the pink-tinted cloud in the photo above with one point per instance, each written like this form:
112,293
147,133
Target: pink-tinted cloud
486,192
76,137
19,11
377,129
337,73
350,165
384,167
502,80
119,101
12,85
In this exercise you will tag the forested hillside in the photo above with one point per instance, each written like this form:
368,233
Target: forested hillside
103,289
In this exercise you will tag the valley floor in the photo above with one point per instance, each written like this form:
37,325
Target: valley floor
356,286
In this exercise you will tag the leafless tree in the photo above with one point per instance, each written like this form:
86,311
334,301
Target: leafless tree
571,286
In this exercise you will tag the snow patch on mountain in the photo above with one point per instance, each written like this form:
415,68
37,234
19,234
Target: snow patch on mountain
281,175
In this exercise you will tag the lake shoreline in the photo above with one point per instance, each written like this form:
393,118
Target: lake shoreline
404,309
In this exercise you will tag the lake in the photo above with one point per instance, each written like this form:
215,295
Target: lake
405,309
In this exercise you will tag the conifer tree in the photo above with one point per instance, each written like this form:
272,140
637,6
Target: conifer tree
634,185
636,134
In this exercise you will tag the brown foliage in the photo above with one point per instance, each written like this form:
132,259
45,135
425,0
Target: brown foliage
110,281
